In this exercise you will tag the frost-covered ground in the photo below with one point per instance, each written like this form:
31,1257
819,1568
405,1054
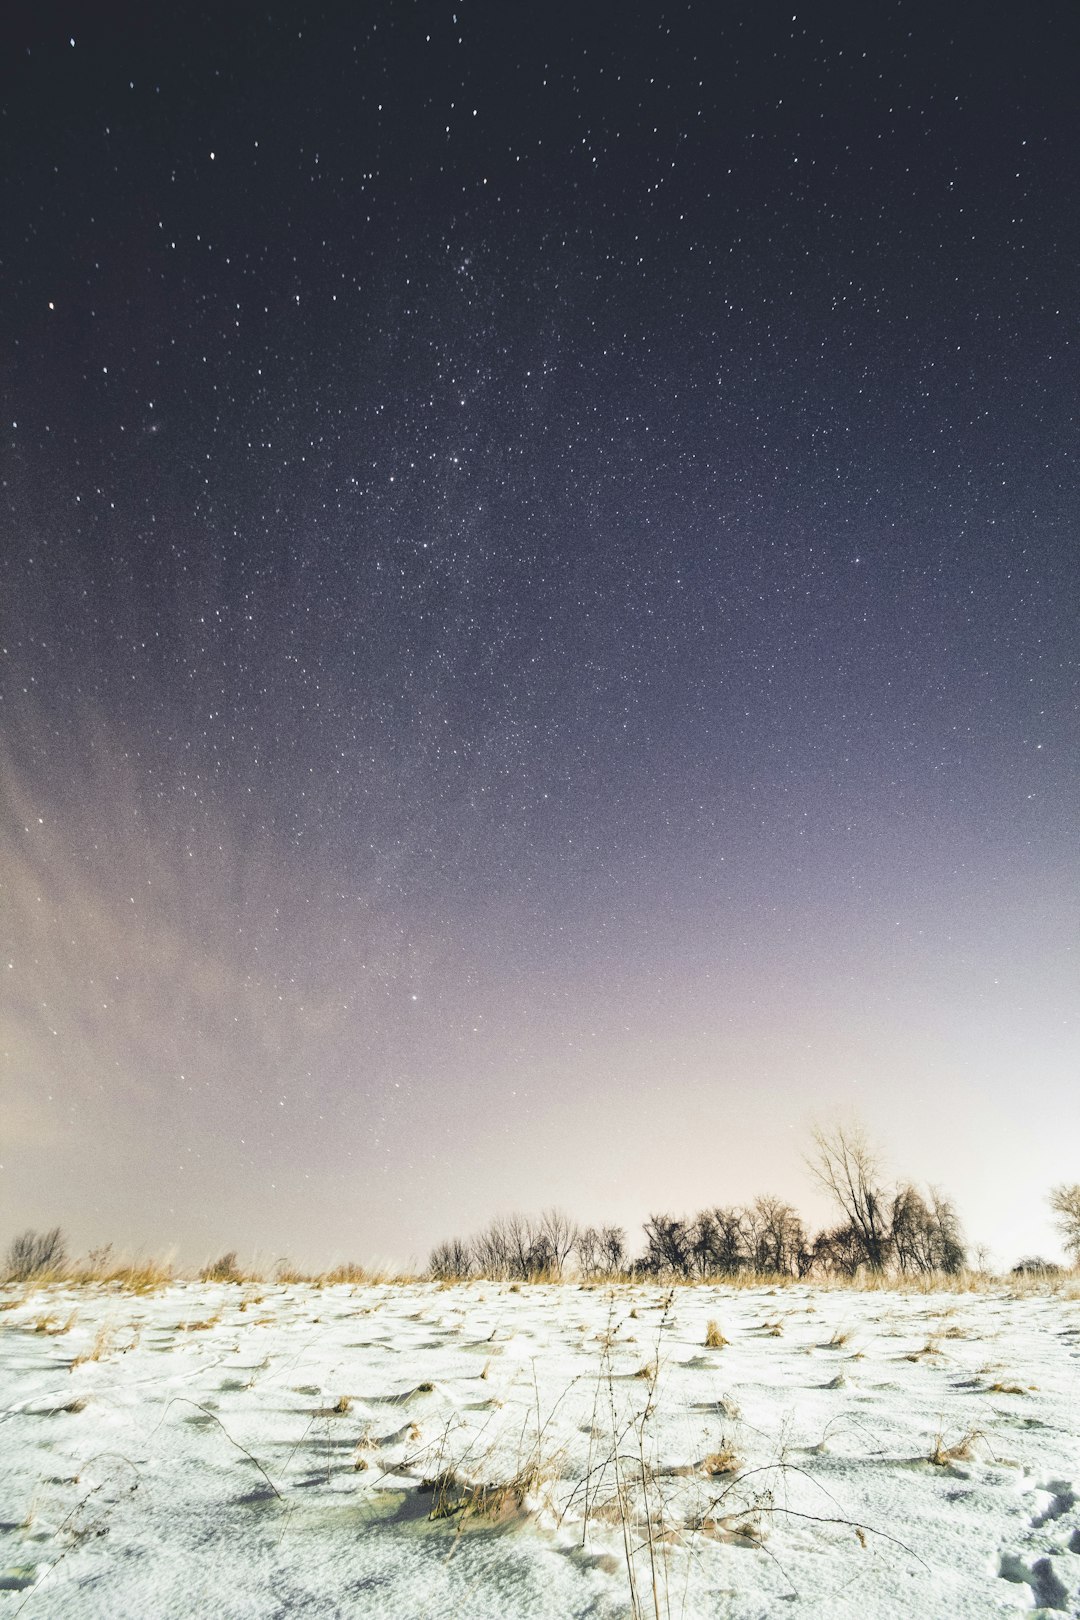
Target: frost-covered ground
405,1451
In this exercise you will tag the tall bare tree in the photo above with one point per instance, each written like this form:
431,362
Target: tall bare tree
847,1167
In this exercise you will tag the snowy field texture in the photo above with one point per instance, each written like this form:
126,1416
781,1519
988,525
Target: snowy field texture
480,1450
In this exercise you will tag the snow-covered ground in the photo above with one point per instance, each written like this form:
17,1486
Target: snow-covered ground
477,1450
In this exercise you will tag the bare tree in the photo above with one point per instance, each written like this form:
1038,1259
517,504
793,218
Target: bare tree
33,1253
838,1251
612,1249
950,1249
847,1167
492,1250
702,1233
527,1252
911,1230
601,1250
516,1246
981,1258
925,1236
754,1239
806,1258
731,1241
558,1233
776,1236
1065,1203
588,1251
450,1261
722,1241
668,1247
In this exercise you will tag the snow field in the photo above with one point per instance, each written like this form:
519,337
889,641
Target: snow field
483,1450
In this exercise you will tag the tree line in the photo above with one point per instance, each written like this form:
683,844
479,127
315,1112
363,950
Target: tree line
900,1229
879,1228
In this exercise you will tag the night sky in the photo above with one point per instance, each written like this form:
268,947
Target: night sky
539,592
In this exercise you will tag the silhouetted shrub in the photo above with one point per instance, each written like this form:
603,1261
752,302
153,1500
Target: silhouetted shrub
1033,1265
223,1269
31,1254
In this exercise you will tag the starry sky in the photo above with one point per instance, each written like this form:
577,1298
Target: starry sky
538,603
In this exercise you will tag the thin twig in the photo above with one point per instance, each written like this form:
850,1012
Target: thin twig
213,1415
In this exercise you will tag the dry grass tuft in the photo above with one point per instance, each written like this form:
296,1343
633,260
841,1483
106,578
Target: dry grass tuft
449,1494
131,1277
714,1339
103,1343
348,1272
486,1502
147,1277
724,1461
49,1325
963,1450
